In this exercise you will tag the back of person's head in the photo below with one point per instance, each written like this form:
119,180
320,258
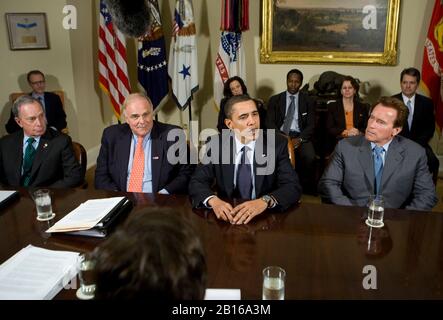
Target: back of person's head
413,72
227,86
156,255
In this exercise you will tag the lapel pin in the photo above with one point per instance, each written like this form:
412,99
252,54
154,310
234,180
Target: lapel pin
45,145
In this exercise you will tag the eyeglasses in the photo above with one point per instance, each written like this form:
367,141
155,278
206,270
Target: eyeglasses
38,82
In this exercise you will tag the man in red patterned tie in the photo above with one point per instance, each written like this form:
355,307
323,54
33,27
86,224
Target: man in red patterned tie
134,156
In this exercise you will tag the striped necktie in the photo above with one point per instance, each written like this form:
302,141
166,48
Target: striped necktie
27,161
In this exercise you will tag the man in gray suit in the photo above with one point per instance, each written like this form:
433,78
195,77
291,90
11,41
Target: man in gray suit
381,162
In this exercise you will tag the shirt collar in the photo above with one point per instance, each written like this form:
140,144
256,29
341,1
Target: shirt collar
239,145
385,146
26,137
405,99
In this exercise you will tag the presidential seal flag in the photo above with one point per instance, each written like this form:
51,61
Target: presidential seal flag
432,80
152,66
230,60
182,68
112,68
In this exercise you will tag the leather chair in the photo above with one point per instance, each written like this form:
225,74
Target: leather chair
82,159
291,152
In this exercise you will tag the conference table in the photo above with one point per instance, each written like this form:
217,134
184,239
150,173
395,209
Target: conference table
328,251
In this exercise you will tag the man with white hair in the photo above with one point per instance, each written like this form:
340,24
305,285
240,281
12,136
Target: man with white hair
134,156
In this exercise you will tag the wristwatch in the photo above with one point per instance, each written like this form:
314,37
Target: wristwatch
267,198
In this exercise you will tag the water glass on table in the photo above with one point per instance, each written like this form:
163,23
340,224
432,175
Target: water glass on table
273,283
86,275
42,199
376,210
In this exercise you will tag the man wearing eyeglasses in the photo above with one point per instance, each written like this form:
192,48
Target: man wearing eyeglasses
52,105
143,155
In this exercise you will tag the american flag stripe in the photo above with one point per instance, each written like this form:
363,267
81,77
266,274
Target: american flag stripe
112,66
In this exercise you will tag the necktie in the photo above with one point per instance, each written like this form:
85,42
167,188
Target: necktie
378,167
289,116
138,168
27,161
409,104
244,179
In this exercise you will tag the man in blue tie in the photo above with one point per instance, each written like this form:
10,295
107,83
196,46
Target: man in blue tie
52,105
245,163
380,162
37,156
420,126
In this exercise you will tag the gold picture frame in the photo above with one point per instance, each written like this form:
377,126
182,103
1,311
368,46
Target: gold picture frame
27,31
327,31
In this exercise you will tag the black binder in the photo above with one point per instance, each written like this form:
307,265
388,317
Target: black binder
5,200
108,223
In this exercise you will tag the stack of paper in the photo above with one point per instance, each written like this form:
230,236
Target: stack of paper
36,274
86,216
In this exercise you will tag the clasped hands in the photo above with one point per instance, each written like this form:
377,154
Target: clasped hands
240,214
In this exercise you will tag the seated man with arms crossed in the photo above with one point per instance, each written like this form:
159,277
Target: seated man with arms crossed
37,156
246,163
134,156
402,175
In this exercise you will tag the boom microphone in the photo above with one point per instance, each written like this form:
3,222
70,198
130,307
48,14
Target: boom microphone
130,17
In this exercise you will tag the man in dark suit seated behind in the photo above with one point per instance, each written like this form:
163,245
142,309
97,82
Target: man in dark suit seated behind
52,105
402,175
134,156
270,182
37,156
420,124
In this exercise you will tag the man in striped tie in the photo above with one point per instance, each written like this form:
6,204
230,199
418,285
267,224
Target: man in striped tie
380,162
136,156
37,156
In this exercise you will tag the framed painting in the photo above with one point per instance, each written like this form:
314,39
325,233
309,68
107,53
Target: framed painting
330,31
27,31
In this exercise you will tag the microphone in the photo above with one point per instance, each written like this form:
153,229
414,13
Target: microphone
130,17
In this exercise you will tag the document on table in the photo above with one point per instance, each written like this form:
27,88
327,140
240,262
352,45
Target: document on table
86,216
36,274
5,194
222,294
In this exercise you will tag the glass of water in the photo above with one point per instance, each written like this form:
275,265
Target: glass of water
273,283
42,198
376,210
86,275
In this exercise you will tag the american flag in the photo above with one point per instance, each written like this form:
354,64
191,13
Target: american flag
113,72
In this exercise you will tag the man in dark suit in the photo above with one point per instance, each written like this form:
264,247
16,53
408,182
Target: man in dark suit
52,105
293,113
246,163
420,124
380,162
37,156
139,156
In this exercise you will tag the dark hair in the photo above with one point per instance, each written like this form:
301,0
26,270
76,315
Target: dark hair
226,87
413,72
296,71
34,72
396,104
233,100
156,255
20,101
354,84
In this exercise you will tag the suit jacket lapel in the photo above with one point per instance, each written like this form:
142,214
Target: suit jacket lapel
123,157
366,161
156,157
228,172
393,158
259,153
43,148
282,108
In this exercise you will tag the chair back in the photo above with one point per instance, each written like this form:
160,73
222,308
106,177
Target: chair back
82,159
13,96
291,152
